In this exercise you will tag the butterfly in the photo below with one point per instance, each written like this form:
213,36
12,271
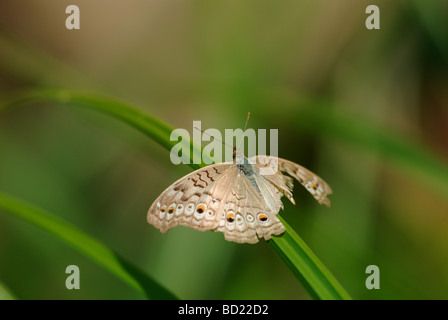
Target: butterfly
240,199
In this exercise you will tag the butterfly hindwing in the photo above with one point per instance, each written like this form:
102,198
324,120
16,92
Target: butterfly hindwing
246,216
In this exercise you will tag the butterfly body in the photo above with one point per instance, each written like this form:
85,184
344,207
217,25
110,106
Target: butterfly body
249,171
240,199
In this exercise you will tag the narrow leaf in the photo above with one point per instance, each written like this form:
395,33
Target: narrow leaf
293,251
87,245
318,280
5,293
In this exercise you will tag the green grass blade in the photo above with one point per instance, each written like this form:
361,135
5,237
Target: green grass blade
293,251
307,267
87,245
142,121
5,293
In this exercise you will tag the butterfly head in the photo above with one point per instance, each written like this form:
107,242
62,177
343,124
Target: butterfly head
238,156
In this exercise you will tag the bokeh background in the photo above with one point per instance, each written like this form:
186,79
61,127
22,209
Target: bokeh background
308,68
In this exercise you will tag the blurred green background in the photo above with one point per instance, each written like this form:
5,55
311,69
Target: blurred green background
367,110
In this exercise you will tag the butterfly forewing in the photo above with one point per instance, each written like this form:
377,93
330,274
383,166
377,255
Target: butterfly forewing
318,188
194,200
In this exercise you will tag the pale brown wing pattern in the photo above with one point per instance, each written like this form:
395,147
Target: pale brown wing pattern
242,205
313,183
195,201
246,217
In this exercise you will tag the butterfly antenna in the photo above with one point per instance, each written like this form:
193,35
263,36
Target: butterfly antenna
245,127
213,137
247,120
